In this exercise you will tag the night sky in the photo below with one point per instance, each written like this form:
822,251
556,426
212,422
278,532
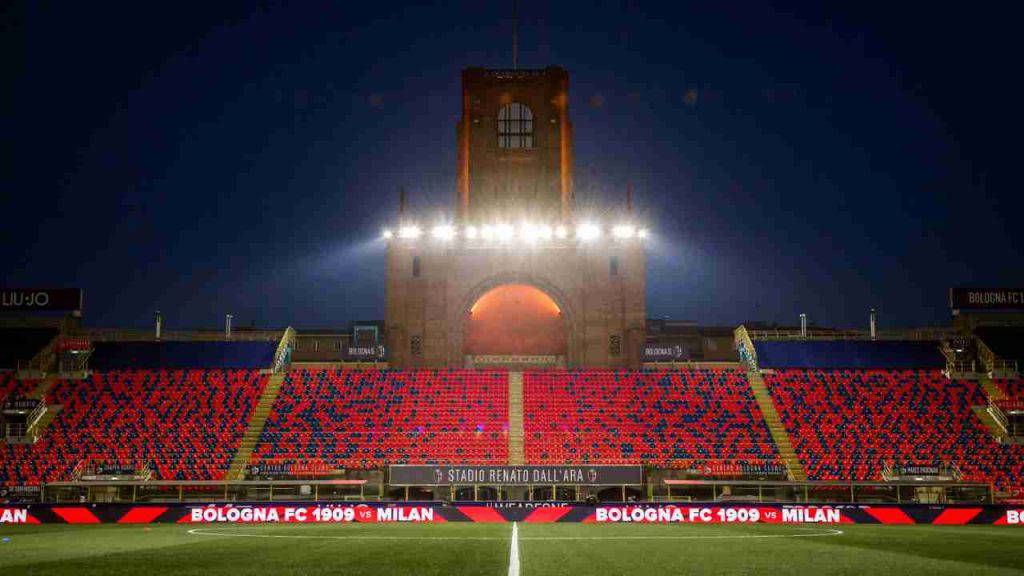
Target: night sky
244,158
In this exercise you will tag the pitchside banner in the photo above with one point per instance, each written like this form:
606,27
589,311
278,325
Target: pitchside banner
515,475
986,298
688,513
41,299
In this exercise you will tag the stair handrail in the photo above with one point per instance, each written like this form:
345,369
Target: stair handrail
998,416
284,349
745,346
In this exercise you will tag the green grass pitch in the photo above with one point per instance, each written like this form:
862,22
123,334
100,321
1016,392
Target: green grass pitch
544,549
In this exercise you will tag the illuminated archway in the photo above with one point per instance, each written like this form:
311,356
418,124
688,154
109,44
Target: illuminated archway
515,319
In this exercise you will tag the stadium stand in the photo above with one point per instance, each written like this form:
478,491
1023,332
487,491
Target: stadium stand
1006,342
849,354
186,423
1013,393
185,354
845,424
12,387
366,419
664,418
22,344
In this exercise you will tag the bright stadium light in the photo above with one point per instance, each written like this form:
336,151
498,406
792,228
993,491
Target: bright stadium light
409,232
544,232
561,232
528,232
623,231
471,232
487,232
641,233
534,232
504,232
387,234
443,232
588,232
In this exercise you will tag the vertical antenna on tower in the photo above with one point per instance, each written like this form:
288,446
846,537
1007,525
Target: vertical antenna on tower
401,201
629,198
515,34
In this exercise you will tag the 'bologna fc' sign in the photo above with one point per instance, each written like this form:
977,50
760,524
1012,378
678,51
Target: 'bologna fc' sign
516,475
986,298
41,299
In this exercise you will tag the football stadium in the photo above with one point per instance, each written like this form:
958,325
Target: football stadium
516,411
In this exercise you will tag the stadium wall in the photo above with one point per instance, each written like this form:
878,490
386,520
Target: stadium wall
532,512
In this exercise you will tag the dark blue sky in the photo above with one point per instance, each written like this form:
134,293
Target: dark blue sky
243,158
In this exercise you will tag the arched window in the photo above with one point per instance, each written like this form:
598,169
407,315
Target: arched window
515,126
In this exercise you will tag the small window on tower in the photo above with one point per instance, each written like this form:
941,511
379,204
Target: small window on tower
515,126
416,266
615,345
613,266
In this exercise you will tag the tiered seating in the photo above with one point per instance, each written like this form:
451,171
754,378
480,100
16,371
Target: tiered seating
188,424
1014,393
13,387
845,423
361,419
663,418
189,354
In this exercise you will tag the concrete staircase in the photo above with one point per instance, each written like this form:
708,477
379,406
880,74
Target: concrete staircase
43,388
516,451
51,414
794,469
990,388
255,428
990,423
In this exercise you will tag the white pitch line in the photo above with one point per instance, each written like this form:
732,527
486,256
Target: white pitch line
513,558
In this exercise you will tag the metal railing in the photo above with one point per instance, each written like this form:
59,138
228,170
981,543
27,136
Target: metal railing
822,334
998,416
285,347
994,364
669,489
238,335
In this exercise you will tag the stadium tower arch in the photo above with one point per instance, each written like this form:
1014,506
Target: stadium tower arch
516,318
514,228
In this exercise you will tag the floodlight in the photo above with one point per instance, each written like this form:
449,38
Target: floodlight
587,232
561,232
471,232
443,232
505,232
409,232
387,234
623,231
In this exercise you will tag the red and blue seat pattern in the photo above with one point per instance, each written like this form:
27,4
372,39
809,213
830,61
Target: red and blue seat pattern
365,419
186,423
11,387
844,424
665,418
1013,391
